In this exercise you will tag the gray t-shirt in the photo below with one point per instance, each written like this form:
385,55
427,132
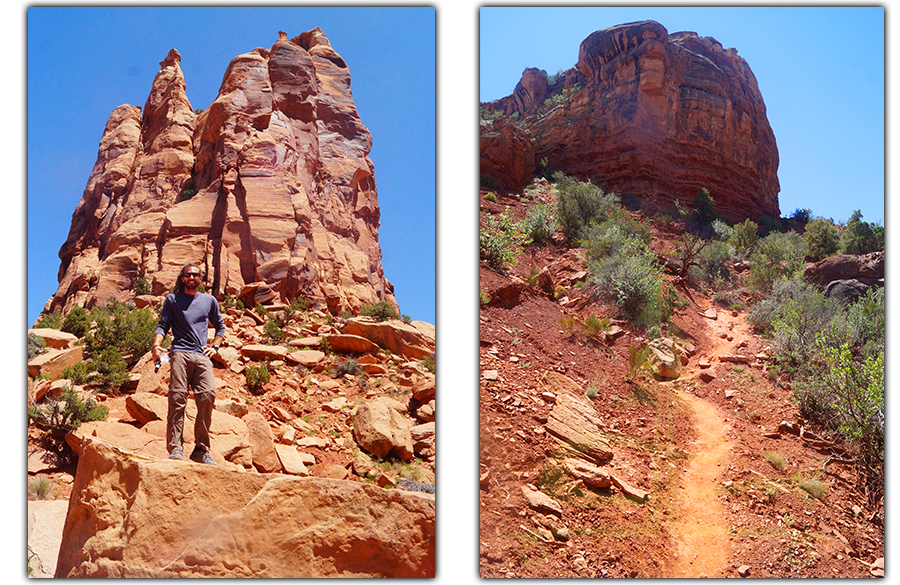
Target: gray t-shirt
189,318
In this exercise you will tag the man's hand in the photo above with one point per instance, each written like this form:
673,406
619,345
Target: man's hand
213,347
157,341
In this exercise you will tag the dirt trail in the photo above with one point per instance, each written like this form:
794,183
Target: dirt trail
700,530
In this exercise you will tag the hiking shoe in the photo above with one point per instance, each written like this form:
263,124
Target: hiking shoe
202,457
176,454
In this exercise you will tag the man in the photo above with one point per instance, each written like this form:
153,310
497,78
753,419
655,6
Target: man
188,313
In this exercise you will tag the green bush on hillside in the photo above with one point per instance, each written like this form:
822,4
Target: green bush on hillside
36,345
630,278
579,204
67,412
77,322
501,240
861,237
128,330
713,262
744,238
777,255
539,224
822,239
380,311
866,322
256,378
49,321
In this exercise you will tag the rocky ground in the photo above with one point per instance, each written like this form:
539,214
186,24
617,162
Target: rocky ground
696,446
309,405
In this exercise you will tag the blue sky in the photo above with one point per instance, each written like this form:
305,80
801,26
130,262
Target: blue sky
821,72
84,62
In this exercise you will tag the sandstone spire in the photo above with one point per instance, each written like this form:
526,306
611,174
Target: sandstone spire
271,183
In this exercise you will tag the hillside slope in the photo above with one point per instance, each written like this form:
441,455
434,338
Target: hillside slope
690,491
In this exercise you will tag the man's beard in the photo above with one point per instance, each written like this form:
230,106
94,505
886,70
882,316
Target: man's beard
190,286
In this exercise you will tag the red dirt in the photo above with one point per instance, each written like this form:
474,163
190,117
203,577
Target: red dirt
716,504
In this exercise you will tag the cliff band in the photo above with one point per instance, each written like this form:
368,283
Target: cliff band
655,114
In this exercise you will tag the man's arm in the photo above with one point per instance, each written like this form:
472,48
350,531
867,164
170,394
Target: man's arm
162,328
218,323
157,342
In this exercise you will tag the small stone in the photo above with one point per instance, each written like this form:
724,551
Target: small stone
744,571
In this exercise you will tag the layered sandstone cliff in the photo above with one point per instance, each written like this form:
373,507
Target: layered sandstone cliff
656,114
271,183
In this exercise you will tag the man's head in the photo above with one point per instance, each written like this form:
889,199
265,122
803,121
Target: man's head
189,279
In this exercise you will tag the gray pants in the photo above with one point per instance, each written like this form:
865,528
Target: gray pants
194,370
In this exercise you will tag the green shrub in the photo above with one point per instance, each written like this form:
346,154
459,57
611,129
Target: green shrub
721,230
381,311
78,373
488,182
300,305
800,320
39,488
128,330
110,367
256,378
822,238
854,390
630,278
500,240
866,322
483,297
491,196
639,362
764,313
605,238
345,367
36,345
776,255
578,204
672,303
860,237
77,322
260,310
273,333
714,262
539,224
142,286
68,412
794,314
744,238
704,208
775,459
227,302
49,321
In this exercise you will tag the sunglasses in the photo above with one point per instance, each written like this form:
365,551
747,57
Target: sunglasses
192,275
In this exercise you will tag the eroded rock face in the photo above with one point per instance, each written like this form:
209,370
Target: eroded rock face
659,115
270,184
133,516
507,154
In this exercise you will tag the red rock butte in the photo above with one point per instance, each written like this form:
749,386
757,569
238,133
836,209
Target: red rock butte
271,183
655,114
